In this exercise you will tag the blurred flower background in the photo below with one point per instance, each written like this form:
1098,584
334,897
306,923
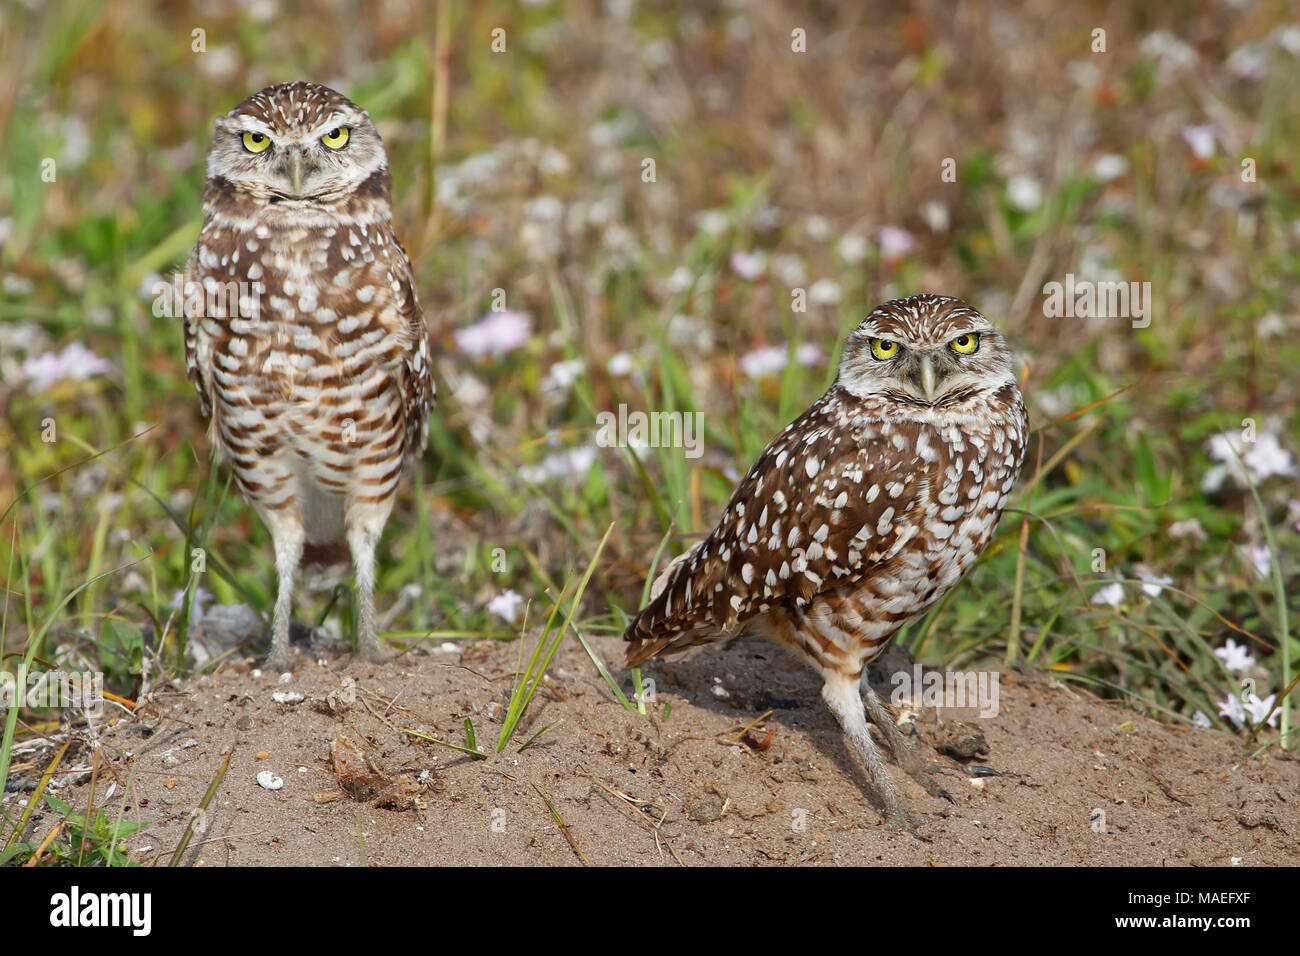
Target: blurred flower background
677,206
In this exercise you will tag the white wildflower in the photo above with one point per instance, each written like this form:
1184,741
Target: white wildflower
1190,528
553,162
1259,709
506,606
1153,583
1235,657
563,375
712,222
1262,459
1250,62
1112,594
1261,558
570,463
680,281
1200,139
1288,38
1168,51
825,292
75,362
852,247
818,228
770,359
1250,711
936,215
748,265
496,334
1109,166
544,209
202,596
895,243
789,270
1024,193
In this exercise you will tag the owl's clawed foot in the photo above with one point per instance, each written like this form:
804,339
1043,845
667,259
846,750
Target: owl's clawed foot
280,659
897,815
913,765
841,695
920,771
371,651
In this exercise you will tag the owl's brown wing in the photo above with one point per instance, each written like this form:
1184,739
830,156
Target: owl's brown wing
831,497
196,364
417,384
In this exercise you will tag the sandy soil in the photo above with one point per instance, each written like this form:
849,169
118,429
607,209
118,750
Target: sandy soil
1083,781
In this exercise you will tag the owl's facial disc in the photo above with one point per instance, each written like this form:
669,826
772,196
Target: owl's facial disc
299,145
927,351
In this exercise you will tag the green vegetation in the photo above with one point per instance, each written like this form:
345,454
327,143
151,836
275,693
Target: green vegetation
1139,545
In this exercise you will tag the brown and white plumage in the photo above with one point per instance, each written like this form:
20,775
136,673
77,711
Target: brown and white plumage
861,514
309,350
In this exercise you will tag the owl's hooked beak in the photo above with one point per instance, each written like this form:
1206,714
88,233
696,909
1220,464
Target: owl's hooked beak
295,171
927,377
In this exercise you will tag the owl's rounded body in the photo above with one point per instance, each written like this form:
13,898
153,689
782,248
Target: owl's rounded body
310,353
310,388
920,525
863,512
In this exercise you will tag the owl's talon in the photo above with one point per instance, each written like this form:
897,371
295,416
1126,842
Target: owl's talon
280,661
919,772
372,653
904,821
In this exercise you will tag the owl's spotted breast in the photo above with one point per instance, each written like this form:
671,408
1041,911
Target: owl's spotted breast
327,339
850,499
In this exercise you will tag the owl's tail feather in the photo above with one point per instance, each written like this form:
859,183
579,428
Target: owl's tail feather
643,646
645,635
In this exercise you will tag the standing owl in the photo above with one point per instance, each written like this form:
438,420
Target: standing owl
309,350
862,514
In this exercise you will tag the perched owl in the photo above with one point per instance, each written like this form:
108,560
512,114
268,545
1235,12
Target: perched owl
862,514
309,350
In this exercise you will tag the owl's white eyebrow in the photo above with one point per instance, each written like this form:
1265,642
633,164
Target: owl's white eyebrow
332,121
248,124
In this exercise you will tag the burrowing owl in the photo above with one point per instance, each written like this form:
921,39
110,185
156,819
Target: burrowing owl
859,516
309,351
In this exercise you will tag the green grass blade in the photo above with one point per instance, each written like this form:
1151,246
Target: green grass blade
533,739
473,754
532,677
203,808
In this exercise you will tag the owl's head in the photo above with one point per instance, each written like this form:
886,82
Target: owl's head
300,144
926,350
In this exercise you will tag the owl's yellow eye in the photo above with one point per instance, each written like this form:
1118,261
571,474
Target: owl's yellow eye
336,138
884,350
256,142
965,344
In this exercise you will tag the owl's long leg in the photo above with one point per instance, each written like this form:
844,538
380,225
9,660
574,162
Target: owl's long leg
362,540
907,758
841,695
289,536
